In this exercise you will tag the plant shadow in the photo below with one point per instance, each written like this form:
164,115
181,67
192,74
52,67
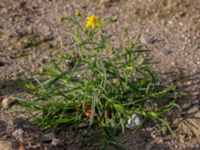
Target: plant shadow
10,88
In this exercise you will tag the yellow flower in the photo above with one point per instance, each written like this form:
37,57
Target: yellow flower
92,22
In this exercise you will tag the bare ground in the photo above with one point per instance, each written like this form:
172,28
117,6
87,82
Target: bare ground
30,31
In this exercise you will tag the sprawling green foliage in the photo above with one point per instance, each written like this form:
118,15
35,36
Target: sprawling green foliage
98,84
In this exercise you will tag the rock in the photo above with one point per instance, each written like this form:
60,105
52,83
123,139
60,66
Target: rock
134,122
5,145
55,142
21,148
104,2
167,51
47,138
7,101
18,134
148,40
9,145
194,111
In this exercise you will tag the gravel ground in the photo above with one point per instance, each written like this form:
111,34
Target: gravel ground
30,31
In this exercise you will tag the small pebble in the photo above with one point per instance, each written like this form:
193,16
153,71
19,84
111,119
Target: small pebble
134,122
55,141
7,101
48,138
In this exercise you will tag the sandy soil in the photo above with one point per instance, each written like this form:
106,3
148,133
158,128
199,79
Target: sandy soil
30,31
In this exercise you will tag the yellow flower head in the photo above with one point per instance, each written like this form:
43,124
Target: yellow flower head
92,22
